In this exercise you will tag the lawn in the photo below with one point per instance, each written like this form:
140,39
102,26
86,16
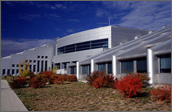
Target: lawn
78,96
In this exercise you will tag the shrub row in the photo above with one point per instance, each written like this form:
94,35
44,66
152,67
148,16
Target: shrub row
101,79
162,93
19,82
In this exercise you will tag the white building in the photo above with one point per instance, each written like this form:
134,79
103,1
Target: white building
112,49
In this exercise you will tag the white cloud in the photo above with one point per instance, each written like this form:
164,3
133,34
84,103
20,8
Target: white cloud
10,46
150,15
29,17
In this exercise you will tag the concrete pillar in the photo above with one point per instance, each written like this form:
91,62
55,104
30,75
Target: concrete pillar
150,65
92,65
114,66
77,70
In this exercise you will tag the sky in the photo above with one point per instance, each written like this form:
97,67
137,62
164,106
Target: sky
27,24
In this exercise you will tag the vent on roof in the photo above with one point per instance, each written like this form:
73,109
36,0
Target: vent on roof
136,37
150,32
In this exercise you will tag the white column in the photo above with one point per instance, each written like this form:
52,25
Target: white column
92,65
77,70
114,66
150,65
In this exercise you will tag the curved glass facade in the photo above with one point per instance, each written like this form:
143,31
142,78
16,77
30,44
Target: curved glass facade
103,43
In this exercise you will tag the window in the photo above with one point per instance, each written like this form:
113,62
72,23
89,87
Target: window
42,64
38,56
34,61
13,65
42,57
34,67
30,61
86,69
99,44
17,65
46,57
102,67
3,71
73,70
12,71
165,65
126,66
103,43
70,48
8,72
17,71
37,66
109,67
82,46
141,66
30,67
45,65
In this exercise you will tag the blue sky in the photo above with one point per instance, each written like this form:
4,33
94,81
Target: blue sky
29,24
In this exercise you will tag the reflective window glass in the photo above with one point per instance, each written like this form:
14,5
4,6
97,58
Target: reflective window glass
126,66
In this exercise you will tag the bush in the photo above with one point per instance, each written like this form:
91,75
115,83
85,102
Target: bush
31,75
129,86
92,77
48,75
38,81
59,79
71,78
143,77
161,93
19,82
100,82
101,79
65,77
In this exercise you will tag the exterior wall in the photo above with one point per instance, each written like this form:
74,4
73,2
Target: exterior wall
122,35
31,54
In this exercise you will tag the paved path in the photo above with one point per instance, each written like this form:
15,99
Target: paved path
9,100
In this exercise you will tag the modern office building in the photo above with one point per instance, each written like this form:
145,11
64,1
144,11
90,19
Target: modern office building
112,49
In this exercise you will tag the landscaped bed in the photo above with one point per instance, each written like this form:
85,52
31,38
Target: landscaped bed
78,96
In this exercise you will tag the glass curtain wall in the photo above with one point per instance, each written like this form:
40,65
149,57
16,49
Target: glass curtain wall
103,43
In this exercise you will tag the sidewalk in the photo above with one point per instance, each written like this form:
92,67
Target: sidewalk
9,100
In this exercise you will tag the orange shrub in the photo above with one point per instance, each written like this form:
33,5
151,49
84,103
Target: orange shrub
162,93
19,82
101,79
92,77
143,77
65,77
100,82
71,78
129,85
59,79
38,81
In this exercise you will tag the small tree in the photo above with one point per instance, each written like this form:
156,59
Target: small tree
25,70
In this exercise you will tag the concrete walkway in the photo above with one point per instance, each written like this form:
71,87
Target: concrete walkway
9,100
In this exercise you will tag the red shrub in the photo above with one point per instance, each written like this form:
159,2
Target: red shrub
48,74
38,81
143,77
162,93
92,77
71,78
65,77
129,85
31,74
101,79
59,79
19,82
100,82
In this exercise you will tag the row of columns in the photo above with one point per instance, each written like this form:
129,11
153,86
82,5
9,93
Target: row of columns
115,68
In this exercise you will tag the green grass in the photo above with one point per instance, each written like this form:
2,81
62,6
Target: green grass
78,96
